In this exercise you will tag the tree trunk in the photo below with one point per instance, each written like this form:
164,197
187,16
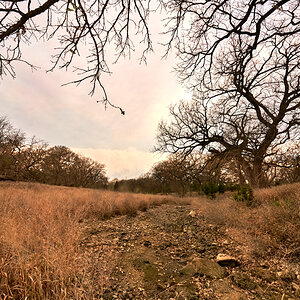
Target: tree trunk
258,177
240,173
254,173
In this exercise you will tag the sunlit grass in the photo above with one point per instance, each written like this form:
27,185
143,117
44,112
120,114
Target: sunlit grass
41,231
40,234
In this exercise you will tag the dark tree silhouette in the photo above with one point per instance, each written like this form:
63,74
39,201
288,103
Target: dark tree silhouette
32,160
203,32
243,60
229,127
78,26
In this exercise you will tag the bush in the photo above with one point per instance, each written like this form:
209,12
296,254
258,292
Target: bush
268,230
232,187
244,194
221,188
210,189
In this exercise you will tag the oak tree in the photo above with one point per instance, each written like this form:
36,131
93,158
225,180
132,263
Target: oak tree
243,60
78,27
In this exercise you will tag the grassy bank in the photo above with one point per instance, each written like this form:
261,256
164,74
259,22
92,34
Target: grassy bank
271,228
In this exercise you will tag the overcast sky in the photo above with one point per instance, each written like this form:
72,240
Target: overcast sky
36,103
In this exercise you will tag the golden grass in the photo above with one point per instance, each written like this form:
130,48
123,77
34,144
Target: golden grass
281,194
41,230
271,228
40,234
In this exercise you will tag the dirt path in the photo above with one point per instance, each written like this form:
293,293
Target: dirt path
166,253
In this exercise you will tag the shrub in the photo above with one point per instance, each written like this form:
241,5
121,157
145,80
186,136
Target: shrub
244,194
221,188
210,189
232,187
268,230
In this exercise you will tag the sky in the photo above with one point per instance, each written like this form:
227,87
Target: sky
36,103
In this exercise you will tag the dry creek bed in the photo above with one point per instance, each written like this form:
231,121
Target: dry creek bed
167,253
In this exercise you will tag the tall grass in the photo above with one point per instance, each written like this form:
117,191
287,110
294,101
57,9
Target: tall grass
41,230
271,228
40,234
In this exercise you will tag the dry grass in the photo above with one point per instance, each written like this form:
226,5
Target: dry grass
271,228
281,194
40,234
41,230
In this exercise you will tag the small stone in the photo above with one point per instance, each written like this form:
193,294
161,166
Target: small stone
200,249
192,214
264,274
189,271
243,281
226,260
147,243
208,268
287,275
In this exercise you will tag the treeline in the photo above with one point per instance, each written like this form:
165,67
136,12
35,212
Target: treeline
33,160
209,174
25,159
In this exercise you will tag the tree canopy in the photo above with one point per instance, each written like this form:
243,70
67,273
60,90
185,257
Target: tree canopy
203,33
243,61
241,58
33,160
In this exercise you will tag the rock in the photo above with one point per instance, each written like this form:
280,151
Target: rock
200,249
188,271
235,295
223,288
208,268
192,214
226,260
243,281
264,274
287,275
147,243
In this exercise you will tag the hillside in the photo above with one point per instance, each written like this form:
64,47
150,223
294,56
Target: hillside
58,242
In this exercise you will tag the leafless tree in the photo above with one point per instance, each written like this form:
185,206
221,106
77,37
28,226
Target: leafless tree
77,26
61,166
207,32
203,33
243,58
12,141
174,172
32,160
284,165
230,130
19,157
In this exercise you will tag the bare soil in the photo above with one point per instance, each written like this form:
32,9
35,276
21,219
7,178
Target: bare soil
151,255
